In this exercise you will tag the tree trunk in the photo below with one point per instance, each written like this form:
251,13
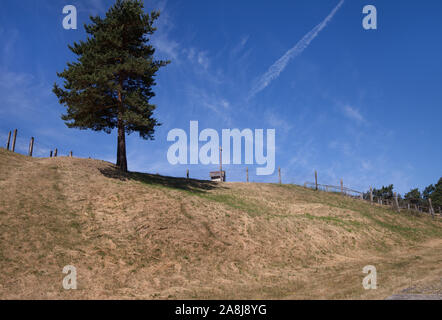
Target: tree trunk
118,150
121,143
121,149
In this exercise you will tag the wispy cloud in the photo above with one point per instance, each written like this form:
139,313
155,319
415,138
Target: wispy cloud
161,39
343,147
214,102
94,7
9,38
199,58
240,46
21,92
164,43
279,123
276,69
353,114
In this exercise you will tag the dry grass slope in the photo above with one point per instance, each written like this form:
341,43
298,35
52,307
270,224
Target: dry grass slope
147,237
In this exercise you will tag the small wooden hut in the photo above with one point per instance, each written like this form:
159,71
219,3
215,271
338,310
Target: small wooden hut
219,176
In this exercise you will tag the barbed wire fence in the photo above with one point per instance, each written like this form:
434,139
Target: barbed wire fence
11,145
394,201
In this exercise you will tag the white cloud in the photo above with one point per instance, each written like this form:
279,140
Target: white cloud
275,70
203,60
240,46
198,58
166,46
278,123
9,38
215,103
366,165
94,7
342,147
21,92
161,39
353,113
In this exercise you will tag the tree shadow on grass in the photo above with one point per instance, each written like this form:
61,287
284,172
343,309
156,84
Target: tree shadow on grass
191,185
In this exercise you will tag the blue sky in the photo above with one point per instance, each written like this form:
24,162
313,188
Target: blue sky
362,105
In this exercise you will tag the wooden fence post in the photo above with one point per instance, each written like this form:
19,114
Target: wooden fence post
396,203
55,153
431,208
31,146
371,195
13,140
187,174
247,174
342,186
50,155
9,140
316,180
221,164
279,173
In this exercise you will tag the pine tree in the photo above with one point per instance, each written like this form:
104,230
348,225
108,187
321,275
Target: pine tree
436,195
384,192
428,191
414,196
111,83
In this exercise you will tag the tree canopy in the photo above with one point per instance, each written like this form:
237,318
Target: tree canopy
384,192
435,193
414,196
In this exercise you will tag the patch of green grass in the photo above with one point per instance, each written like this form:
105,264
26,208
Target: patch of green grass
381,246
253,209
406,232
101,253
76,225
335,220
401,264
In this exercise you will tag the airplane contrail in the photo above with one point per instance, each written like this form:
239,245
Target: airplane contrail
275,70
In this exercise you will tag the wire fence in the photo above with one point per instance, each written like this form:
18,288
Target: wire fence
394,201
12,140
336,189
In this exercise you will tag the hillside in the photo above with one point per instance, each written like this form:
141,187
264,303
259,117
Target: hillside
152,237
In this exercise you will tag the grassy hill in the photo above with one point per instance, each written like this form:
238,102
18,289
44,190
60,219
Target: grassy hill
147,236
